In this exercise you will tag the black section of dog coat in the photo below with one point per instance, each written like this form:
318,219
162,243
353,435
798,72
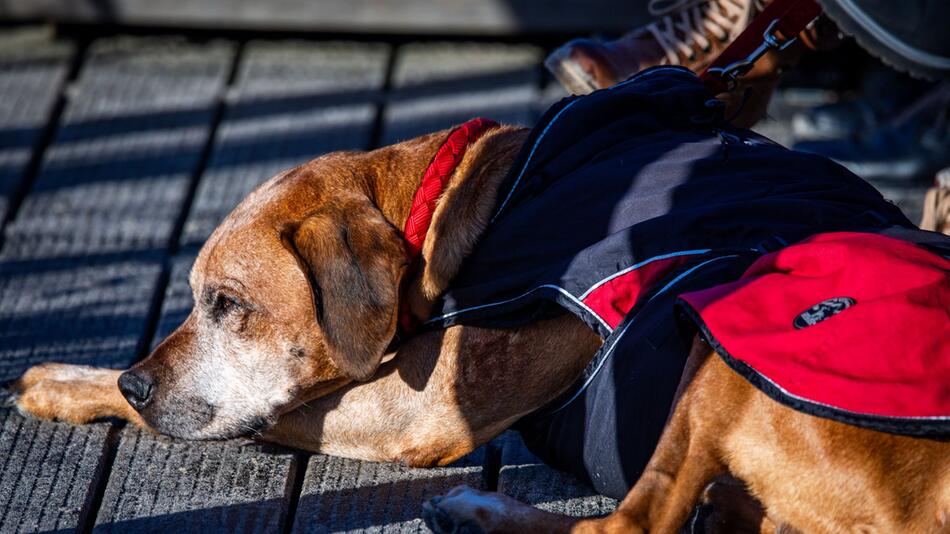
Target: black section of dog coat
625,177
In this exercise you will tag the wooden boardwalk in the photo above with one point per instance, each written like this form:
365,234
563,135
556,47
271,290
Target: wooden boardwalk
117,159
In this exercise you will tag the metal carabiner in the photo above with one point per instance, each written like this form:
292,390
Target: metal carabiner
736,69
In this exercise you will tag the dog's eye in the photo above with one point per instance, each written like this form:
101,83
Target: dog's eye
223,305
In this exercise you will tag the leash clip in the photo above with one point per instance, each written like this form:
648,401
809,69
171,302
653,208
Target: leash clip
770,41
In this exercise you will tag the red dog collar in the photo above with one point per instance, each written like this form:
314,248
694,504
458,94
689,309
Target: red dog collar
436,177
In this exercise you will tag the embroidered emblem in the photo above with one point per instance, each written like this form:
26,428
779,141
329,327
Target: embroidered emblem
823,310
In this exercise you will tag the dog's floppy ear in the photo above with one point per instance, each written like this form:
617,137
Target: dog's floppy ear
354,261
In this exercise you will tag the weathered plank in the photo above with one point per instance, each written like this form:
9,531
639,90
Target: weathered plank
524,477
341,495
459,17
437,85
46,470
76,279
33,69
158,483
89,311
82,259
115,177
291,103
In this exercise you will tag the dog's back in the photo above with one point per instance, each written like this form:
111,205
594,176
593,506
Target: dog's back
817,474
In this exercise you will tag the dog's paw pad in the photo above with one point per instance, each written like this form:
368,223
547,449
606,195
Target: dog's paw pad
441,521
465,510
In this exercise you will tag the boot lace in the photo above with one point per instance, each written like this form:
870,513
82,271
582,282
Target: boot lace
688,22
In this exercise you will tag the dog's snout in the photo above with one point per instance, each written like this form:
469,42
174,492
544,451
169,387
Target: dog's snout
137,387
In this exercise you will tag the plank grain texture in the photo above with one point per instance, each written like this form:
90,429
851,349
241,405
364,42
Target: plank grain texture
33,68
46,470
291,102
524,477
116,175
82,259
342,495
159,483
85,311
439,85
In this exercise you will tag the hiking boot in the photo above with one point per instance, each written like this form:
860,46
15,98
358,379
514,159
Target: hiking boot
690,33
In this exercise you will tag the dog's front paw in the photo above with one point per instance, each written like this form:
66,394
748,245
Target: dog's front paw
465,510
70,393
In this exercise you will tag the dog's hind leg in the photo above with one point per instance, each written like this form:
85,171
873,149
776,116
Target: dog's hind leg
682,465
75,394
684,462
660,502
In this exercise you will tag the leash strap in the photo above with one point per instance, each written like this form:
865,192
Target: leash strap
436,177
776,27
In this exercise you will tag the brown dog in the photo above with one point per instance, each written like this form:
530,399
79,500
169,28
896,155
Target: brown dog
297,295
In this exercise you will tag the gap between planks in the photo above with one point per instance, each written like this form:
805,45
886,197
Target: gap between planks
96,492
48,134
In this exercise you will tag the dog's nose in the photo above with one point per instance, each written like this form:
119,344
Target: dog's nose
137,388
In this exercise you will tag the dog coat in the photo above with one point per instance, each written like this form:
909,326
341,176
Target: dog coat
849,326
619,202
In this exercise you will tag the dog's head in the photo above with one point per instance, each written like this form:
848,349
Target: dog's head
281,308
297,292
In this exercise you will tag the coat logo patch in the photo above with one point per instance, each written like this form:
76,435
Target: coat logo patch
823,310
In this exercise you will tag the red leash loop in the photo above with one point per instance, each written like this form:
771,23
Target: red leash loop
785,17
436,177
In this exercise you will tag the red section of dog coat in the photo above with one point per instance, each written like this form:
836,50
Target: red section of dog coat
616,296
843,325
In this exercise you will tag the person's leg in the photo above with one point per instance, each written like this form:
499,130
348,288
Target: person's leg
690,33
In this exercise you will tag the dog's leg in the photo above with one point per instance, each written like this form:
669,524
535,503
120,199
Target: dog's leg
72,393
729,508
684,462
686,459
672,483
